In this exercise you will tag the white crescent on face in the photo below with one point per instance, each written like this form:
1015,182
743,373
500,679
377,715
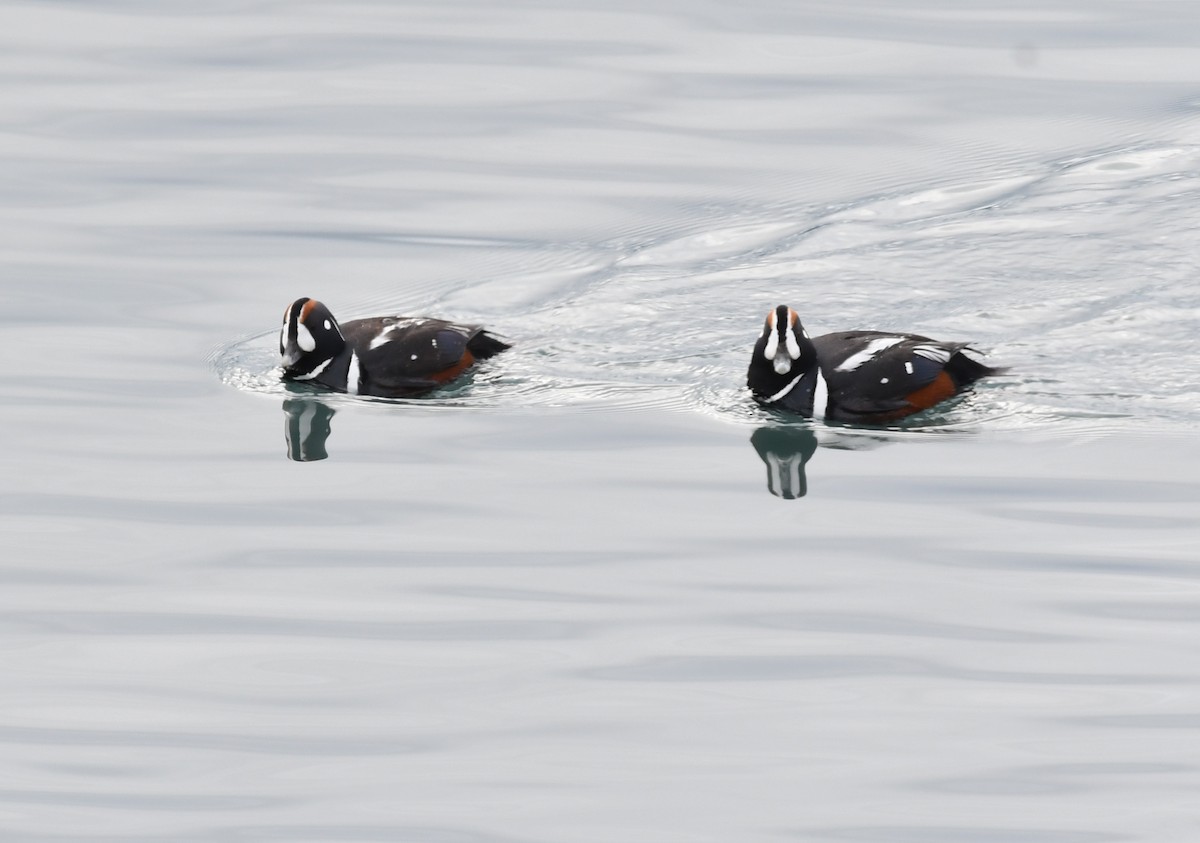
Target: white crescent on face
287,315
304,337
793,345
772,345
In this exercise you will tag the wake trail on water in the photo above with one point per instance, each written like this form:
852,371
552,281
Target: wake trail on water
1079,276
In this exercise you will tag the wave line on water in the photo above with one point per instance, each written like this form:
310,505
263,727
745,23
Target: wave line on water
1051,280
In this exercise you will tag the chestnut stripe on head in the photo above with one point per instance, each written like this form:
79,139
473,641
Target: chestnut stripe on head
772,345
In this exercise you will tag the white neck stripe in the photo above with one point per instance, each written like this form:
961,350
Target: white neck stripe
786,389
310,375
352,375
820,396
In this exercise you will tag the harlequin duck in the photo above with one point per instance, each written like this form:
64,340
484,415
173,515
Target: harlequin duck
388,356
867,377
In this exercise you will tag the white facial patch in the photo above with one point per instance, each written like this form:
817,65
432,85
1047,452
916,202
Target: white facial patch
304,337
772,346
287,316
874,348
793,347
782,364
327,325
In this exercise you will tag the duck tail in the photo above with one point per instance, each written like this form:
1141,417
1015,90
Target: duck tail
966,369
484,345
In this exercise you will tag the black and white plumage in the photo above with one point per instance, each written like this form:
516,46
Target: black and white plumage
387,356
869,377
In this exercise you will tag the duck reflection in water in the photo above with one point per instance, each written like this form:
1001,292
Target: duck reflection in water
309,423
785,450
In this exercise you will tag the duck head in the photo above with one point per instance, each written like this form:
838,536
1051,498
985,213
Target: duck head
783,368
309,340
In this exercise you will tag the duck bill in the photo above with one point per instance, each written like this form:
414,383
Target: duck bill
782,361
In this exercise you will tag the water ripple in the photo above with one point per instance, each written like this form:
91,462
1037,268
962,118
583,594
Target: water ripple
1040,268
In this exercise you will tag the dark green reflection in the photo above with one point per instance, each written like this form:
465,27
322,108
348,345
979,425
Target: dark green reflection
309,423
785,450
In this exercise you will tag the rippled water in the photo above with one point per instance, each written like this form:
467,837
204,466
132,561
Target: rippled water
592,592
1078,275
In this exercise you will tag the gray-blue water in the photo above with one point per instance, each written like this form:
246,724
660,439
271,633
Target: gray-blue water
592,593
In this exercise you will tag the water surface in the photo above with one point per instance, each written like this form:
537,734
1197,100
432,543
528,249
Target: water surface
592,593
